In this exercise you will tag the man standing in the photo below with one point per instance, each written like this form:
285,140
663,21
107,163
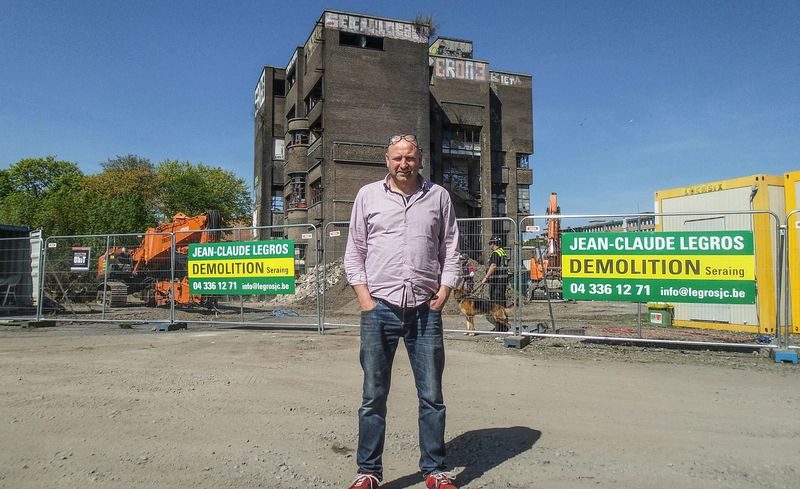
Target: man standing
402,260
497,272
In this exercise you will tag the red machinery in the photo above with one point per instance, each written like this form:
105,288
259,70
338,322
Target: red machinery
146,268
546,267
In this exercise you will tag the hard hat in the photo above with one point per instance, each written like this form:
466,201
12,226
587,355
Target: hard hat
494,240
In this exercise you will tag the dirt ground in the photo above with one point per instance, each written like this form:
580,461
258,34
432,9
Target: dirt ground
101,406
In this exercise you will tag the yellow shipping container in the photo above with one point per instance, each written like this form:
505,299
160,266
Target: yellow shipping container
740,196
792,189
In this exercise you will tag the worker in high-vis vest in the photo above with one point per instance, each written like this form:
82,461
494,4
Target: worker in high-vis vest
497,275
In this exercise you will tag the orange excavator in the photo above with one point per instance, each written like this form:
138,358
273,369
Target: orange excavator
546,267
146,268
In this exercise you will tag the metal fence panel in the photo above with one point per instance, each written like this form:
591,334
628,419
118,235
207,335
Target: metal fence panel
792,279
97,278
482,308
341,309
546,309
144,278
340,306
20,266
298,310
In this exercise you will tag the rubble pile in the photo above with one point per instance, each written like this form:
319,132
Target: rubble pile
332,279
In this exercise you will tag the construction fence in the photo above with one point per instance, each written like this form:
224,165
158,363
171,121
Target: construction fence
694,278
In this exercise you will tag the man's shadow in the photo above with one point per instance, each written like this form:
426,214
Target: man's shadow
478,451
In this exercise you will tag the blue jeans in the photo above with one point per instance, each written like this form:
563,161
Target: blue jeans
421,330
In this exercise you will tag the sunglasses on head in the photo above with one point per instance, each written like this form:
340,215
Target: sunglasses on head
408,137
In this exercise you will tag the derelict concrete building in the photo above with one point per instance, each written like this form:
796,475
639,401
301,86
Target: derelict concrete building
322,122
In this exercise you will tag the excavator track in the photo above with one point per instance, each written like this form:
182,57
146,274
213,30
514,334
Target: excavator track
116,294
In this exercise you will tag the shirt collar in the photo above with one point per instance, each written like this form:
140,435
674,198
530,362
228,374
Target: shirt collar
424,185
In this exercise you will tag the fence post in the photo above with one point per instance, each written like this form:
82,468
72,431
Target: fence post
42,272
517,283
172,278
105,278
781,240
320,289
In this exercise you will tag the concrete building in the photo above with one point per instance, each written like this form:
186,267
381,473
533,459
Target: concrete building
645,223
322,122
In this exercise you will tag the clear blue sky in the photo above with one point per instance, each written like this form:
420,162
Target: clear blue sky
630,97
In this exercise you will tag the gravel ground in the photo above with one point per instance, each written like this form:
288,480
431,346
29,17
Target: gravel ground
88,405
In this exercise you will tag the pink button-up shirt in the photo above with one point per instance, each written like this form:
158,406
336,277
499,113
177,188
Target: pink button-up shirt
403,248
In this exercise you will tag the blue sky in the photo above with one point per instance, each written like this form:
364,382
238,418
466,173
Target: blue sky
630,97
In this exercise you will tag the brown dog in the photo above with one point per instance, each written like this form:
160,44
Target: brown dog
472,306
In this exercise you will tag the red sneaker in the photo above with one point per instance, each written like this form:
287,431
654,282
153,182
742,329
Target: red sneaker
365,481
440,480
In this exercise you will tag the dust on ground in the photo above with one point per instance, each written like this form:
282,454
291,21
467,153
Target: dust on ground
96,405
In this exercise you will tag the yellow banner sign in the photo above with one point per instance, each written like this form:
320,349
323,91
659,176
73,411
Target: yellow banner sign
715,267
264,267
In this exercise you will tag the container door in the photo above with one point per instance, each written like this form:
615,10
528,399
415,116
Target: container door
720,313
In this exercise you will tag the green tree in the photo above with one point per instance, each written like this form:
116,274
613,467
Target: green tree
43,193
121,197
5,184
128,195
194,189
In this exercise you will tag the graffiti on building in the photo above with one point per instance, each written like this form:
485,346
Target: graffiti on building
376,27
460,69
451,47
261,90
506,79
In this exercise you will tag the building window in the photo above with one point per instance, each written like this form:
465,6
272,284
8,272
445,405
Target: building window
522,160
360,40
315,131
277,202
314,97
523,199
278,149
279,88
316,191
296,191
499,208
462,140
454,178
298,137
300,251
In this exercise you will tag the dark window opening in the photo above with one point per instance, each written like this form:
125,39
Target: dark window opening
316,191
298,137
296,191
499,200
360,40
279,87
461,141
314,97
290,78
315,131
524,199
